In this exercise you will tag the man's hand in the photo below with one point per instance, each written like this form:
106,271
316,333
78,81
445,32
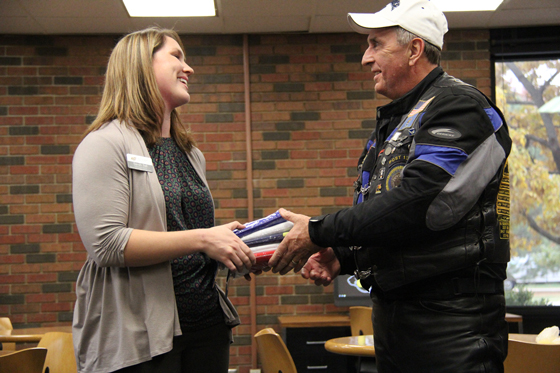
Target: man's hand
295,248
322,267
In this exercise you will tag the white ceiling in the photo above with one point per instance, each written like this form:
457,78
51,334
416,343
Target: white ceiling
244,16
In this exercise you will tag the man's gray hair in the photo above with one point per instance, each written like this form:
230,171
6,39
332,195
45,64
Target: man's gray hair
432,52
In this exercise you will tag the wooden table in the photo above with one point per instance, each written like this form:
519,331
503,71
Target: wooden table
511,317
313,321
361,345
344,320
523,337
30,335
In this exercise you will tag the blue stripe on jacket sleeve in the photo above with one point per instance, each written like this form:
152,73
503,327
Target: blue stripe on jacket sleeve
494,118
447,158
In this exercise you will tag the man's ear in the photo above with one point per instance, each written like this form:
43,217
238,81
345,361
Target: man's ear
416,50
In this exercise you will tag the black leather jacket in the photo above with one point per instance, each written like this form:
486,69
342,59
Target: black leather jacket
433,193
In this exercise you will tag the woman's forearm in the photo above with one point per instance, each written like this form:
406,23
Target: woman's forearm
219,243
147,247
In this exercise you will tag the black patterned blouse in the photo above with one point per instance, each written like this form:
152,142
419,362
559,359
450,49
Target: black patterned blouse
189,206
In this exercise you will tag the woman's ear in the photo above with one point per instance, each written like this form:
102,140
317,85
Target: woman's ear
416,50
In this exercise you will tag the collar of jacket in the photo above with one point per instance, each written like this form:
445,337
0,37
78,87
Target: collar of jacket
402,105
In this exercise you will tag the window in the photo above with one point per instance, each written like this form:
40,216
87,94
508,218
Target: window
527,89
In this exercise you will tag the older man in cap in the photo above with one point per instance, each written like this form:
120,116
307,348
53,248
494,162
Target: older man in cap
429,230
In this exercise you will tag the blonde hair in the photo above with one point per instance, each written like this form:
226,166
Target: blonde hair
131,94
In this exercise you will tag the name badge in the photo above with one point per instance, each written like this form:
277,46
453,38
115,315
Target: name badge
137,162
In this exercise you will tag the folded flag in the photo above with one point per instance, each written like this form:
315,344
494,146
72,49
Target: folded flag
259,224
263,236
262,255
266,239
279,228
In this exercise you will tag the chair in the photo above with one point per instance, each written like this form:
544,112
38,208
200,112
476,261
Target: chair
360,320
526,355
29,360
6,324
361,324
274,354
60,358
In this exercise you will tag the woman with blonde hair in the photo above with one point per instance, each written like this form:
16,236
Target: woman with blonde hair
147,300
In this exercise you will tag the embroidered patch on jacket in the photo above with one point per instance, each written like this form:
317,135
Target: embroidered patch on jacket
502,204
394,177
445,133
412,117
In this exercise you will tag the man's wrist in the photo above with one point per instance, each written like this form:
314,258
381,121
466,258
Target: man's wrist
315,229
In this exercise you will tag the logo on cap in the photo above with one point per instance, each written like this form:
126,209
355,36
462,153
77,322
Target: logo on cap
395,3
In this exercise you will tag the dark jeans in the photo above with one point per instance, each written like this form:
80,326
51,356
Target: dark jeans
202,351
467,333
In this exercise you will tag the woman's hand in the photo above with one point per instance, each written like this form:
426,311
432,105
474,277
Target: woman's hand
221,244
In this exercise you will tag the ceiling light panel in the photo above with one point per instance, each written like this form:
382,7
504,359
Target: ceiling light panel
170,8
467,6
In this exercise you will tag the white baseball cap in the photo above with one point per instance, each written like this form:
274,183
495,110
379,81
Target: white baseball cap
421,17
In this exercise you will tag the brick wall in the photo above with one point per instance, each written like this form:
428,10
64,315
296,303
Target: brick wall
312,106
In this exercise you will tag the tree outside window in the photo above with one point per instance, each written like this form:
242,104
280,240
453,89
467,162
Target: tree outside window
528,92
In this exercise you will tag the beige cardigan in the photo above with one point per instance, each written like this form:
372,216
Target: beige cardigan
123,315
